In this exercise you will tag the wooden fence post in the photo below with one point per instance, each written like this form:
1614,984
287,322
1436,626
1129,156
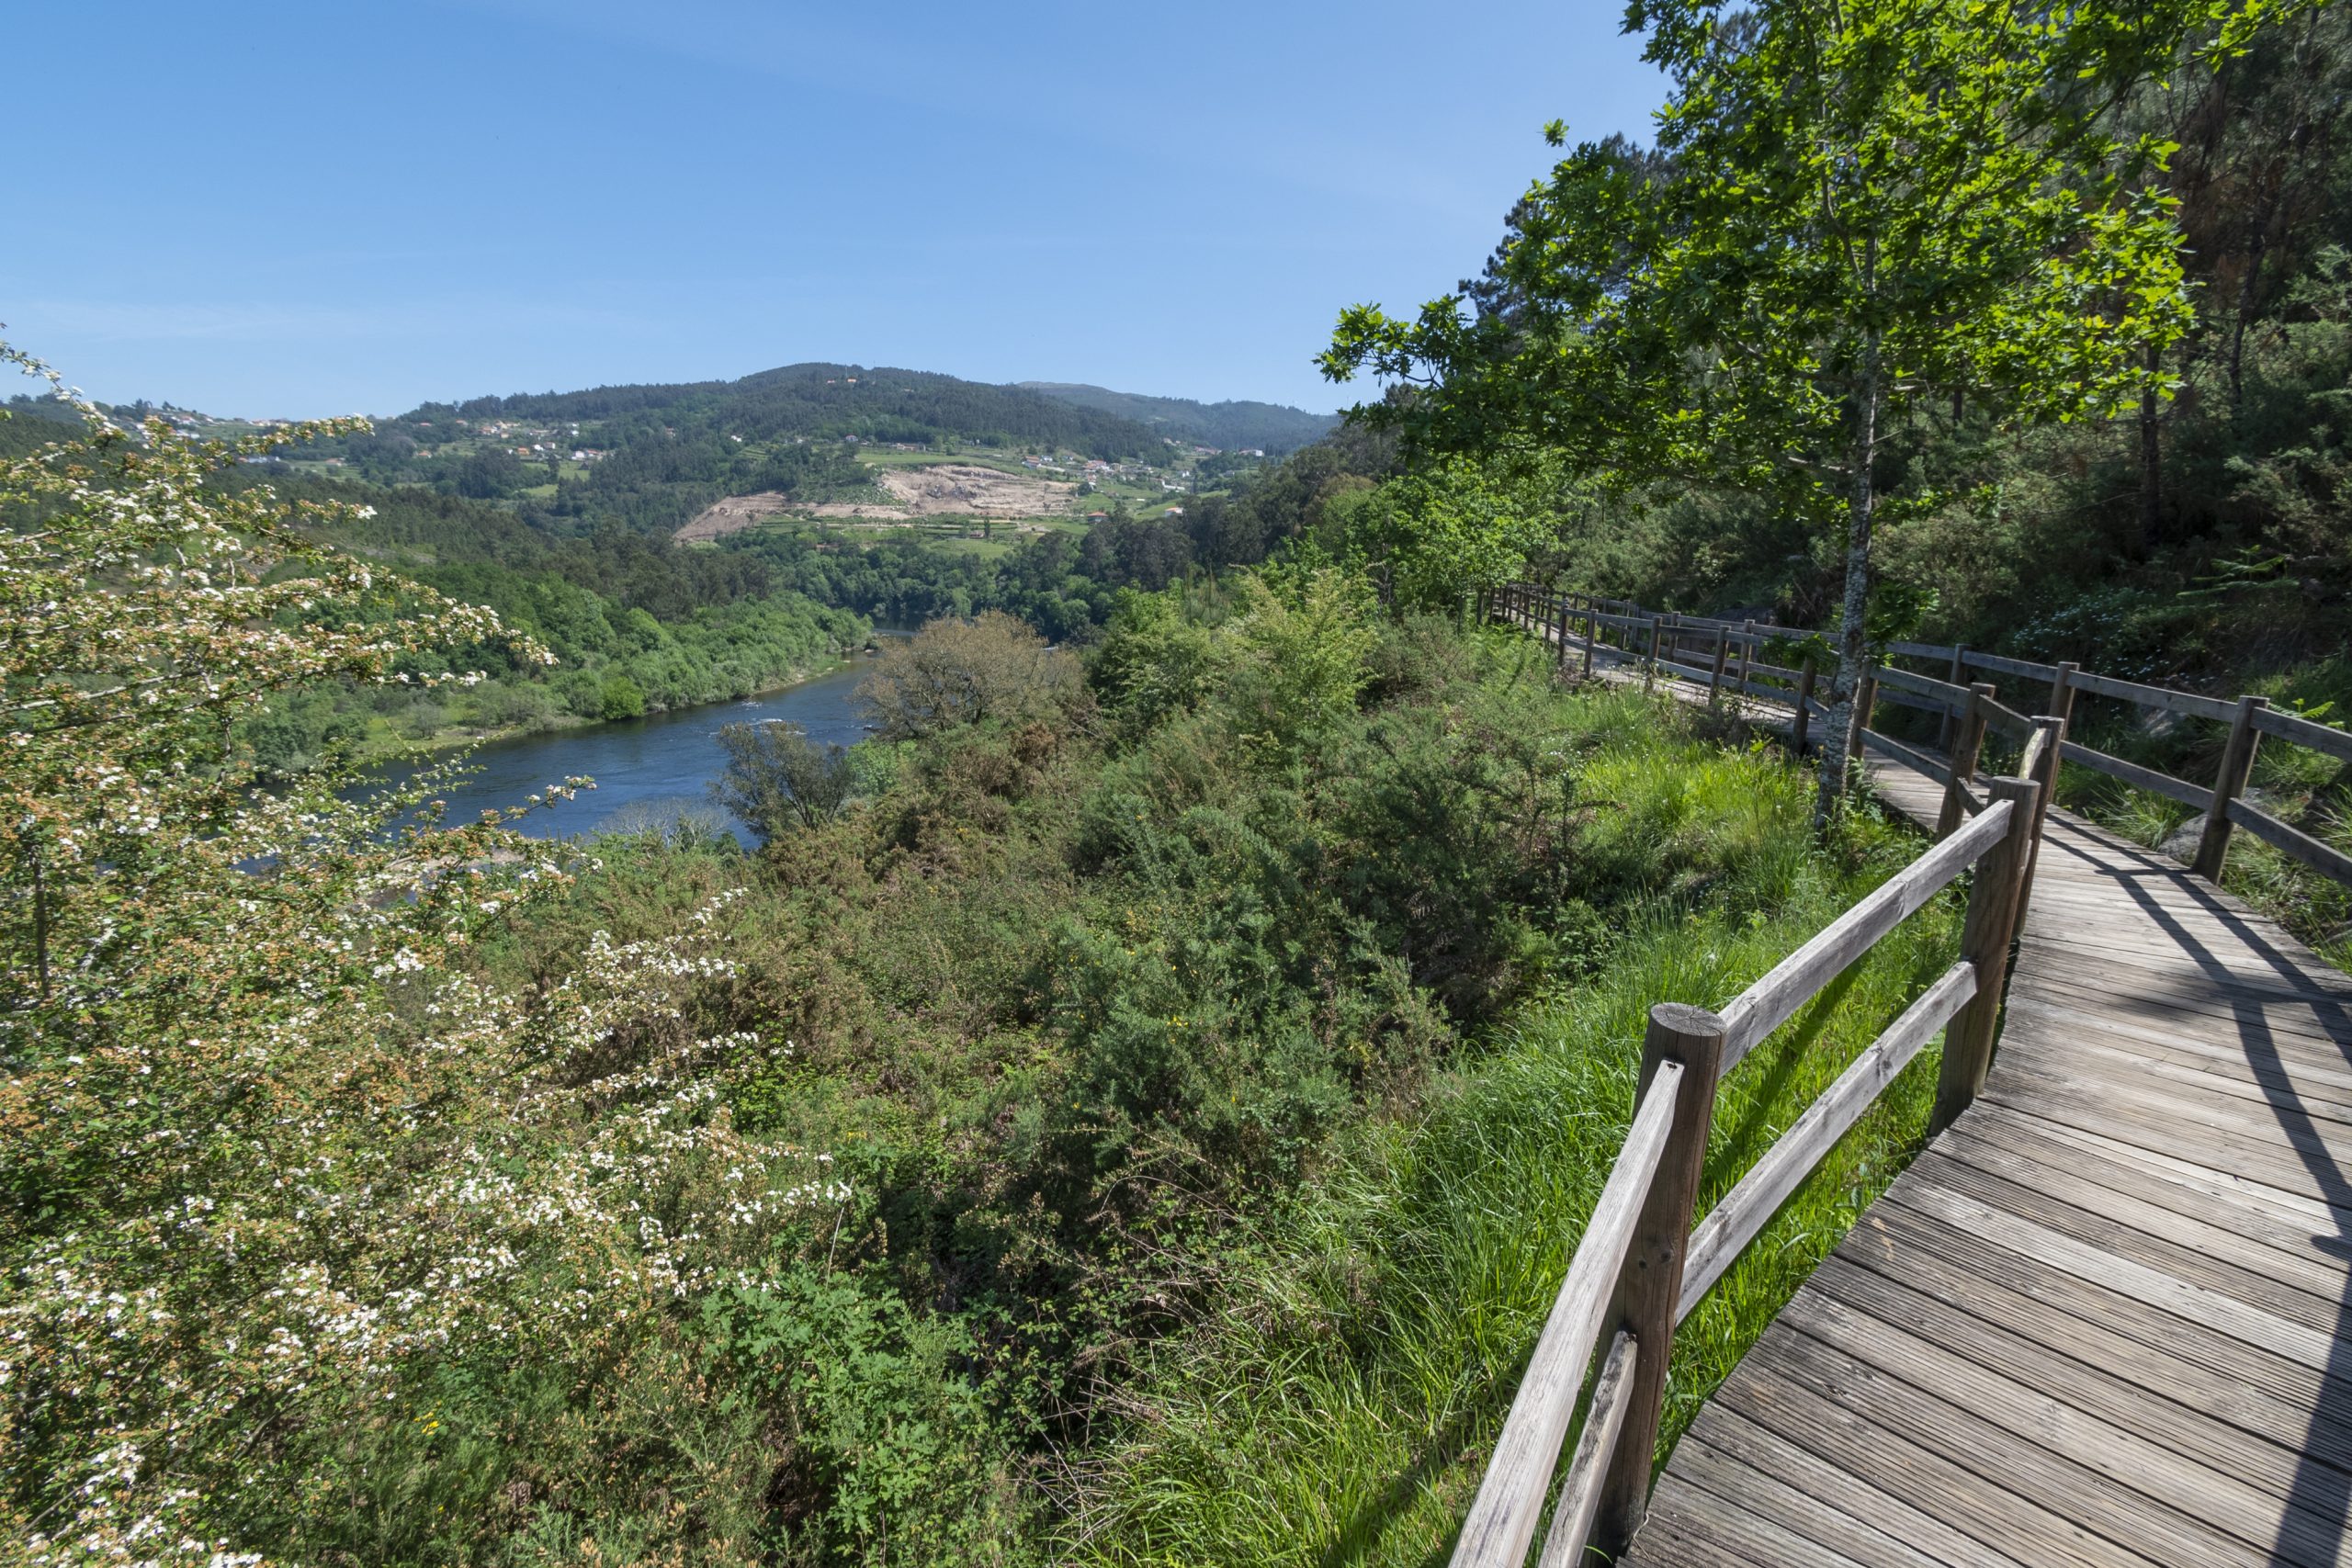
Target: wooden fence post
1964,752
1650,670
1591,635
1747,662
2045,784
1715,671
2237,764
1958,677
2062,696
1565,600
1650,1284
1798,730
1984,943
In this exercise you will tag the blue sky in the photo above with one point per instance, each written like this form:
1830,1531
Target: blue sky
297,210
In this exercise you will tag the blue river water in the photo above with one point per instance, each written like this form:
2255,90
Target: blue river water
648,771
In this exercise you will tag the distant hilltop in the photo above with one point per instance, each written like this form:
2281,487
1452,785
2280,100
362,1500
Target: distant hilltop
1235,426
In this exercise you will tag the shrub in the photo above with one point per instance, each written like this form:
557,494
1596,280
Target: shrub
958,672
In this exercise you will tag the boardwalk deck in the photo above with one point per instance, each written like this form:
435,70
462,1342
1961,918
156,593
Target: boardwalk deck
2107,1317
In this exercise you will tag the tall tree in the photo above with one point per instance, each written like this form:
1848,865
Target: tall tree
1866,206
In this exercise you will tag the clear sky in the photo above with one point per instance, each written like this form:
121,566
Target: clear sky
321,208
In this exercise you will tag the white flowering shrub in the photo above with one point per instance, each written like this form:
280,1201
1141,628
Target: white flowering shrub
280,1177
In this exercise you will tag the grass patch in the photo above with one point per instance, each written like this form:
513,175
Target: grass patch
1339,1406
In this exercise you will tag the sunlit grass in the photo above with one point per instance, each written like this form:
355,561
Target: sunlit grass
1340,1409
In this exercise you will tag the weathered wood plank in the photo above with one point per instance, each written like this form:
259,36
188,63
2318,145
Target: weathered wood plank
2148,1478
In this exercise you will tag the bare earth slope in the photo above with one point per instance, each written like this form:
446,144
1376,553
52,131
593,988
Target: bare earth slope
942,490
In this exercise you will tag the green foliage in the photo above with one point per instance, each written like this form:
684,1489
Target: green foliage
776,777
619,697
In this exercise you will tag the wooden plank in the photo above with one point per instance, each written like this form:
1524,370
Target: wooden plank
1771,1393
1724,1431
1755,1536
1743,1211
1747,1492
2256,1238
2005,719
1501,1522
2150,1482
2300,732
1775,998
2202,1071
2140,1526
2300,1289
2006,666
2259,1395
2236,1185
1918,760
2137,776
1904,1244
2162,697
2154,1286
1921,650
1943,696
2326,859
1671,1536
1604,1421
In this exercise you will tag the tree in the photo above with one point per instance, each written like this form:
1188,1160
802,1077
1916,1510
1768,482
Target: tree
776,776
958,672
1868,207
281,1161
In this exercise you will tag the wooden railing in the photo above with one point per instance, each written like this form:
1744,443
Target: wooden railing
1641,1267
1663,644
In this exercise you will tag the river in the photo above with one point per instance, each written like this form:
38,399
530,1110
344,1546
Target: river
646,767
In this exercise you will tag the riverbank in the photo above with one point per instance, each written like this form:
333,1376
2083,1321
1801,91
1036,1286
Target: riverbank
648,772
383,745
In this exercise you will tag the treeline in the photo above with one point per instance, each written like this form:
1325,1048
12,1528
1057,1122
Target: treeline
636,624
2200,529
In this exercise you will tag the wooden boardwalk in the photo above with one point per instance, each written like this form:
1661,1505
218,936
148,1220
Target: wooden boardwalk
2105,1318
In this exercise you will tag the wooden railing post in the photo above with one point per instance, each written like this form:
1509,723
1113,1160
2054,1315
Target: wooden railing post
1803,723
1964,752
2237,765
1722,659
1650,1284
1566,600
2062,696
1650,671
1985,942
1958,677
1591,635
1747,661
2045,785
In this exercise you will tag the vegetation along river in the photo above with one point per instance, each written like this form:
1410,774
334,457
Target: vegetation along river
650,769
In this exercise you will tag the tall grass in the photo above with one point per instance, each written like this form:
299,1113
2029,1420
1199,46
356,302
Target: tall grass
1338,1408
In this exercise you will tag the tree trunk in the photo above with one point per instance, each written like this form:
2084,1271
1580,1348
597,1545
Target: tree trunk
2151,462
1853,650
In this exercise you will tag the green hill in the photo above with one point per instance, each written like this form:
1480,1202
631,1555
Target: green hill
1275,428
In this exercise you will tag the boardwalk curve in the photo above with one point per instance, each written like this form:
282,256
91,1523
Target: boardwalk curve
2105,1318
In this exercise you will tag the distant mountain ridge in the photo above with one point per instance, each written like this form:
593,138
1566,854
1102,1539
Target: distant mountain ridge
1231,425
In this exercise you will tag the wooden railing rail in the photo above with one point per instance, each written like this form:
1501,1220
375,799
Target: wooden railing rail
1642,1266
1966,710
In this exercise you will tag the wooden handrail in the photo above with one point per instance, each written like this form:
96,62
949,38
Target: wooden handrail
1749,1206
1501,1521
1798,978
2249,719
1640,1245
